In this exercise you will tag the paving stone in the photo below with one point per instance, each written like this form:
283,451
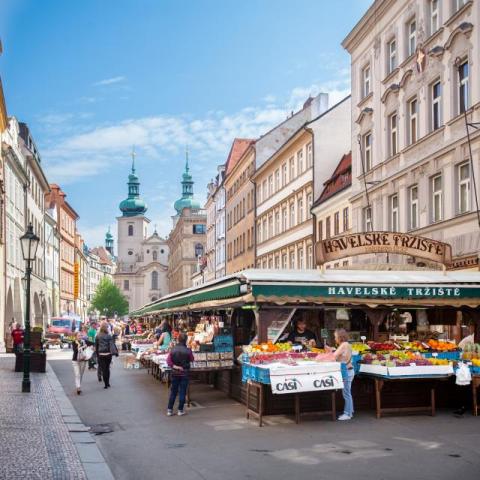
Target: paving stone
81,437
32,429
98,471
89,453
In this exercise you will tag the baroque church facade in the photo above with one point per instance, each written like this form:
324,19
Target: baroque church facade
142,259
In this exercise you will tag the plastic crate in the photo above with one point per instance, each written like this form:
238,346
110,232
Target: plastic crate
475,370
262,375
444,355
223,340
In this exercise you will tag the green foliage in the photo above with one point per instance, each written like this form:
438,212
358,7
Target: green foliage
108,296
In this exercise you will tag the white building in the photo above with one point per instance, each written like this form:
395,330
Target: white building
52,263
16,182
37,188
142,260
415,71
215,208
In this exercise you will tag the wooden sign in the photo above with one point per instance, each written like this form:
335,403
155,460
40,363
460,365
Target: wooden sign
382,242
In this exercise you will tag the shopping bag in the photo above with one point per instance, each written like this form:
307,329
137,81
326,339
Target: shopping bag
464,377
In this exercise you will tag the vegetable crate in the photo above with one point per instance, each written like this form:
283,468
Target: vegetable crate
444,355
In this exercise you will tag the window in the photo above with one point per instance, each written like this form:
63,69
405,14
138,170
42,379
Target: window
130,230
284,260
345,219
284,174
126,285
436,95
367,150
154,255
309,205
434,16
291,164
393,141
463,174
300,259
392,56
277,262
270,185
320,230
336,223
463,97
458,4
394,213
309,155
264,228
366,81
412,37
367,219
154,280
413,207
198,250
412,120
310,256
277,222
300,162
270,226
199,229
292,215
292,259
327,227
277,180
437,198
300,210
284,219
264,191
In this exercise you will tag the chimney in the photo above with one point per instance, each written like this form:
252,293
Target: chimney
319,104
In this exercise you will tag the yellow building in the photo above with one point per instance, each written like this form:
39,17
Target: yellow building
240,207
284,186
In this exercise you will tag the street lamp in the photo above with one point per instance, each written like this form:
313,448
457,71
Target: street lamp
29,243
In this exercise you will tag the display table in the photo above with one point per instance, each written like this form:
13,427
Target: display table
475,385
379,382
259,412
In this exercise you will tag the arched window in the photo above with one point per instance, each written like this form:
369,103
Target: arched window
154,280
130,230
154,299
154,254
198,250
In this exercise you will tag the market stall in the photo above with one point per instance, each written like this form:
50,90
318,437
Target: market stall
260,306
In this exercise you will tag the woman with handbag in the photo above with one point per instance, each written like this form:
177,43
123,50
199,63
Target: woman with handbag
105,348
82,352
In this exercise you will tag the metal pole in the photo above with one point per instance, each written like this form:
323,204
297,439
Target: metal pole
26,340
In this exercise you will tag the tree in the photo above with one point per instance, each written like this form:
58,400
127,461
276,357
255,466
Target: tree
108,299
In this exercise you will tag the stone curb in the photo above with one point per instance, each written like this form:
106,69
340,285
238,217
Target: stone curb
90,455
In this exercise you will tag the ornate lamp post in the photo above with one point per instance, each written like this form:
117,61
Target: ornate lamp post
29,243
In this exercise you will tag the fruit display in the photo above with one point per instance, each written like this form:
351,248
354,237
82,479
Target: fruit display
441,346
382,346
401,359
268,347
284,357
476,362
415,346
360,347
471,351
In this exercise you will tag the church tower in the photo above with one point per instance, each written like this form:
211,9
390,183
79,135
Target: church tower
132,225
109,242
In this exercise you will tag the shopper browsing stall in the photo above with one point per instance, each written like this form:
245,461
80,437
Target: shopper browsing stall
343,354
179,360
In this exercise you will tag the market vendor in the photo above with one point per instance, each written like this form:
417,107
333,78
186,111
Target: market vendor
301,335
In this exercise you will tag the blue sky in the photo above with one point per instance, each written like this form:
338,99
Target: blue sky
92,78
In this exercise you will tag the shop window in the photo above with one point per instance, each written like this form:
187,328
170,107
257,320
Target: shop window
464,195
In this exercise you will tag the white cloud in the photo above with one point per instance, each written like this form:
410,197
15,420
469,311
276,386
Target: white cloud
109,81
159,137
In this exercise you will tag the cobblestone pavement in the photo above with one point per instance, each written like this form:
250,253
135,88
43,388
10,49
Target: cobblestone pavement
35,442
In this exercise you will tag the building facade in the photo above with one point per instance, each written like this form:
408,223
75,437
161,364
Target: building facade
332,209
81,279
52,263
36,190
414,75
16,183
66,226
3,127
285,185
240,210
187,240
142,261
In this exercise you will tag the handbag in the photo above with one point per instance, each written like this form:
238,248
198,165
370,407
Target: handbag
85,353
113,348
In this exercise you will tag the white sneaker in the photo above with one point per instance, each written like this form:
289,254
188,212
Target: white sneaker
169,413
344,416
181,413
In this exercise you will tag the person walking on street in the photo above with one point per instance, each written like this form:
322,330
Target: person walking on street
79,359
91,334
17,337
179,360
105,348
